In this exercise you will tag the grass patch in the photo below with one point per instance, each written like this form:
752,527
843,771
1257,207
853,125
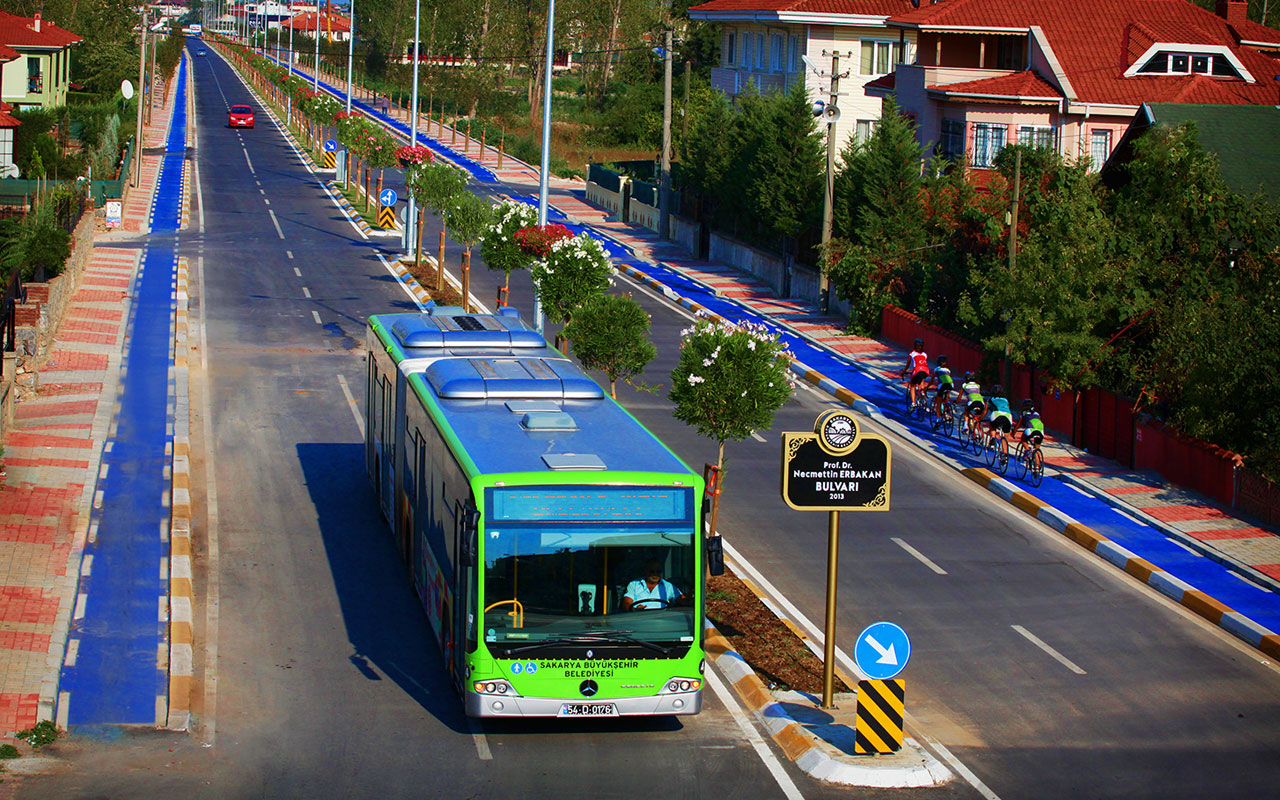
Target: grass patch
43,733
356,199
426,276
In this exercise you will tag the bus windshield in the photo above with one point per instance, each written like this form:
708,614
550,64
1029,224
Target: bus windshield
564,585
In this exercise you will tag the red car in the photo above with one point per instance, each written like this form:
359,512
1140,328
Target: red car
240,117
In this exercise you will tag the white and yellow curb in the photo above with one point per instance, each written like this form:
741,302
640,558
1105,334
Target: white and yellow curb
181,634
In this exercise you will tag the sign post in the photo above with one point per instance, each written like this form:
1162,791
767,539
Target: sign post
881,651
387,213
836,468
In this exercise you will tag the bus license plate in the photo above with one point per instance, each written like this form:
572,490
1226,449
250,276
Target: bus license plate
588,710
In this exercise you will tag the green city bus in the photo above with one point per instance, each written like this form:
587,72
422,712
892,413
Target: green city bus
532,510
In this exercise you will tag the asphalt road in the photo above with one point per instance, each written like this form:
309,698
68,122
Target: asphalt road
1044,671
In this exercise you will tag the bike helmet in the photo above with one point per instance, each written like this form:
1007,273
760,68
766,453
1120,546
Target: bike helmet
918,344
942,361
968,375
997,391
1028,404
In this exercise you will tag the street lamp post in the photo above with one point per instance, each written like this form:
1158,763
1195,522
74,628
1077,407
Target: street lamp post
664,174
317,64
411,216
288,102
543,185
351,51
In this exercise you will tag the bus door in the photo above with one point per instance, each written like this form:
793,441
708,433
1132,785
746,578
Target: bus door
466,521
379,431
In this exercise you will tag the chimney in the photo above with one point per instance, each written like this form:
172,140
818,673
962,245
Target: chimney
37,25
1234,12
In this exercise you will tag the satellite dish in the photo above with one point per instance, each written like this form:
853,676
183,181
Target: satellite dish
126,89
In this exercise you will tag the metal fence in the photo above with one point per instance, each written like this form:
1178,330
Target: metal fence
14,294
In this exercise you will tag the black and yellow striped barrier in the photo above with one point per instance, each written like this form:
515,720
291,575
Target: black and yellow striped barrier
329,160
878,728
386,217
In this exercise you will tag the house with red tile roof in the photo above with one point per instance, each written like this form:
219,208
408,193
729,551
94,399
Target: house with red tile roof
774,45
332,26
39,77
1070,75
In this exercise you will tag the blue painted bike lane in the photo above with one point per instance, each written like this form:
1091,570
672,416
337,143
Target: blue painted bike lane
1211,577
116,678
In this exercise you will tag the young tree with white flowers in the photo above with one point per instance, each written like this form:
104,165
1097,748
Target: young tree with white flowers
729,382
499,247
574,270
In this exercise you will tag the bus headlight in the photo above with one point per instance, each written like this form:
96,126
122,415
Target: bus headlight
677,685
496,686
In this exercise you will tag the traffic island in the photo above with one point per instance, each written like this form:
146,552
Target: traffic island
776,675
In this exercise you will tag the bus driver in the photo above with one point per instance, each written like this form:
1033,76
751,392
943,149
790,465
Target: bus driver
652,591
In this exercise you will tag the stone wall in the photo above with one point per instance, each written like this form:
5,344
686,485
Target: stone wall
39,318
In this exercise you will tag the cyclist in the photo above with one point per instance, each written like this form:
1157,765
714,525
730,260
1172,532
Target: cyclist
946,385
1030,425
999,417
917,368
974,404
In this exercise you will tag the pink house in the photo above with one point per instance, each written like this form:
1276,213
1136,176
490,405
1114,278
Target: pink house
1070,75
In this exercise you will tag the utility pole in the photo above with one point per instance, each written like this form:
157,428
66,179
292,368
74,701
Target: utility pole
829,188
142,76
1013,262
664,175
150,74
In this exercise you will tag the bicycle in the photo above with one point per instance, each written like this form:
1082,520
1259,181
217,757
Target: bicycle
918,408
972,435
997,450
1030,461
944,419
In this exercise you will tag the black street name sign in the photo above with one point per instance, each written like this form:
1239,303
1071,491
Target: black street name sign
815,480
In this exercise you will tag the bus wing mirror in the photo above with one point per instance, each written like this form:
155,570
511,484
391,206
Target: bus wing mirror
470,528
715,555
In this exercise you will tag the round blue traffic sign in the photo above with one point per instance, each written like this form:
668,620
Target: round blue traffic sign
388,197
330,145
882,651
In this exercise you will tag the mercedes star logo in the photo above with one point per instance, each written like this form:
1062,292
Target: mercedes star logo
588,688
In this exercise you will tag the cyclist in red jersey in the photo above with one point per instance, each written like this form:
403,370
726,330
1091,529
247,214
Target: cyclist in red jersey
917,368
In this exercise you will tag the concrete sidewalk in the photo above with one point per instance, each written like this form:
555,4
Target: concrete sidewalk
52,457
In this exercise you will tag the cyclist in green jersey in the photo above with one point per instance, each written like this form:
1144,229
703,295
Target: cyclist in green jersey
946,385
972,394
1029,424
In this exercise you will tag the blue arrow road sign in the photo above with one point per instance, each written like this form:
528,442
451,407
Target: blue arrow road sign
330,145
388,197
882,651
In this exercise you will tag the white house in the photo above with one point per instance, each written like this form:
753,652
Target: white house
765,43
